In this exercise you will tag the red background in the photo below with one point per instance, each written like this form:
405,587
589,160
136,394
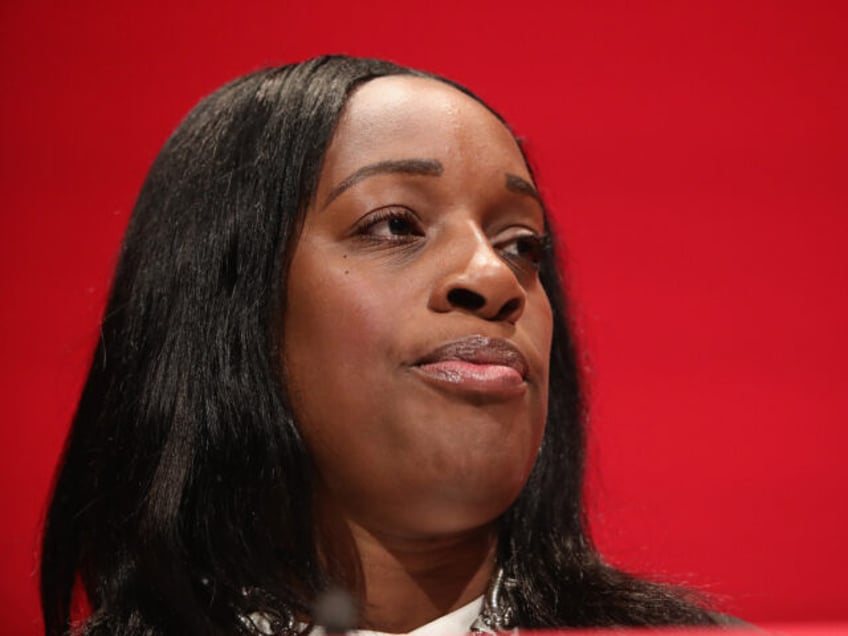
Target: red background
694,155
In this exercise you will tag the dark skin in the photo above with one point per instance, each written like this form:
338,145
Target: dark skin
424,231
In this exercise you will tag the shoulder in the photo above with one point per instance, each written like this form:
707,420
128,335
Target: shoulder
726,620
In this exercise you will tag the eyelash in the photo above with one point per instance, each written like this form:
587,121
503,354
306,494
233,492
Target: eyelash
536,244
387,215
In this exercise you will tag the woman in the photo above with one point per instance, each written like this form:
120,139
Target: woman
335,354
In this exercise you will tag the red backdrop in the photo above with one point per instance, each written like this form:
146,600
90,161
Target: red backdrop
693,154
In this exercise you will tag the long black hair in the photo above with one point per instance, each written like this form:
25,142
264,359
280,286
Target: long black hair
182,501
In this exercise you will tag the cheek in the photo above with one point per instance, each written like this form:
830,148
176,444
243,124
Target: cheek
332,311
538,325
338,343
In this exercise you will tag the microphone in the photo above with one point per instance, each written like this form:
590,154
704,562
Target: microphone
335,611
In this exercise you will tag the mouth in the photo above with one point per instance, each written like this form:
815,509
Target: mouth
476,364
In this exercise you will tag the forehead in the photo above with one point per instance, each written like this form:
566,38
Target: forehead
401,117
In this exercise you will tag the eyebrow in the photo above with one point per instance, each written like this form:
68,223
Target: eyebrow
514,183
425,167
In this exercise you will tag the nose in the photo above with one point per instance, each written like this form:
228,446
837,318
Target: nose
476,279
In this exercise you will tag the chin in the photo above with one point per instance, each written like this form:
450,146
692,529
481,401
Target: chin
444,521
461,505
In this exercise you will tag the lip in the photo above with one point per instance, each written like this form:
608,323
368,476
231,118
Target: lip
476,364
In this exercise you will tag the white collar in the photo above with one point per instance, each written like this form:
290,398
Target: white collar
457,622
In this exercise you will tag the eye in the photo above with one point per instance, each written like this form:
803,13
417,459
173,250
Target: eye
525,248
390,224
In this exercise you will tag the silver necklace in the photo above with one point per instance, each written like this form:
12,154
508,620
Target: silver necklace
498,613
496,616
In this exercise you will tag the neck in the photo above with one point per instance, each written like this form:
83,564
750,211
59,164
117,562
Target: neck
403,583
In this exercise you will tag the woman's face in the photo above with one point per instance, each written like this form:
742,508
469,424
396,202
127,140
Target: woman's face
417,333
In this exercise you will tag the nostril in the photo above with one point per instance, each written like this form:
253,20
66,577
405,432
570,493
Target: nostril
508,308
466,299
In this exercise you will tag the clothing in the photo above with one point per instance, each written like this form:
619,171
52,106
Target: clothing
457,622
